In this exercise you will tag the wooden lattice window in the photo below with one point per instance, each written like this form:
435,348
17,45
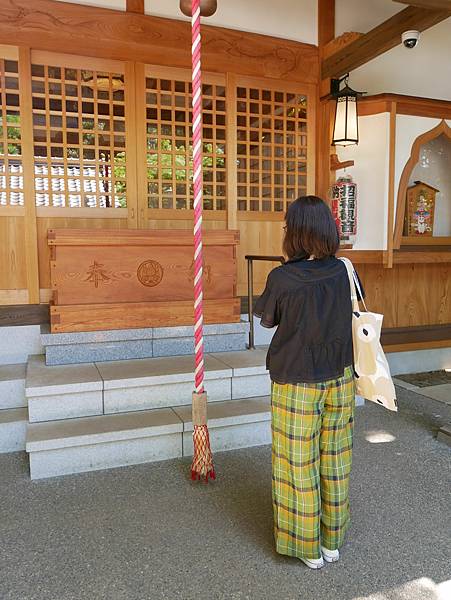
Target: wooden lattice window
169,148
11,172
271,148
79,137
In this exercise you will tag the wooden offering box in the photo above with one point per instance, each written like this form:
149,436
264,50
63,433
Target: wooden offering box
105,279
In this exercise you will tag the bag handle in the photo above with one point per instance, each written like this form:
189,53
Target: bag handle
354,285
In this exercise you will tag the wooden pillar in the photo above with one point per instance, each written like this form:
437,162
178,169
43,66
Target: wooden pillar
391,187
135,6
326,33
26,126
131,146
232,167
326,22
141,145
324,175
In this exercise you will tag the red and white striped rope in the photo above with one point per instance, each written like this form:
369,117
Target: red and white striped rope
198,195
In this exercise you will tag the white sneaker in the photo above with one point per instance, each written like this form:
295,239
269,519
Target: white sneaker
313,563
330,555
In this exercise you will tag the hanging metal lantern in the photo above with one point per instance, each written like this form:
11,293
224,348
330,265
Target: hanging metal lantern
344,208
207,7
346,125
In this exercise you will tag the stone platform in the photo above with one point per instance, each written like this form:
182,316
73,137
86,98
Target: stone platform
126,344
109,414
99,415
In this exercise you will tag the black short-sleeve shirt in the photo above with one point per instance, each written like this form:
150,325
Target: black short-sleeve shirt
310,303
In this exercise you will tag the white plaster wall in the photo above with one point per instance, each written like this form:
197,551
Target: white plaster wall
408,128
362,15
370,172
437,172
290,19
113,4
424,71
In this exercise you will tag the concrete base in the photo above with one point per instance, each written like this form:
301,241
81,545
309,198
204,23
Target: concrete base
13,425
17,343
12,386
127,344
419,360
444,435
359,401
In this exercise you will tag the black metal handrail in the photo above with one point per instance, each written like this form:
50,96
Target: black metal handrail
250,288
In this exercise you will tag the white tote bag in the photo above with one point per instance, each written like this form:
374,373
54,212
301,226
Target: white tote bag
373,379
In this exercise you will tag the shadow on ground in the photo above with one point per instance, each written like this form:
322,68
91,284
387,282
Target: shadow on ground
148,532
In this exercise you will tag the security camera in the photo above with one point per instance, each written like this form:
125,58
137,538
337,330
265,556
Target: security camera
410,38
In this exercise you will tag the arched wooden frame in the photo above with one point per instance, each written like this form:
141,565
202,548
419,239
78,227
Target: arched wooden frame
442,127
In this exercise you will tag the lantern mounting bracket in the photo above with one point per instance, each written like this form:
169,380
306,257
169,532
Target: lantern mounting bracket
335,87
335,84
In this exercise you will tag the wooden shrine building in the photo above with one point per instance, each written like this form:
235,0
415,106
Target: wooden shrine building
95,152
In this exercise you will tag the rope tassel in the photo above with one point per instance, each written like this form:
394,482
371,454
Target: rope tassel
202,466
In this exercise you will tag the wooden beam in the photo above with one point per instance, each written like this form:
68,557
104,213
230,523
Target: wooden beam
135,6
24,314
339,43
405,105
431,4
380,39
100,32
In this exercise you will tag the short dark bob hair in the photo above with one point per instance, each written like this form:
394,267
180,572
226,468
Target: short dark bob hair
310,229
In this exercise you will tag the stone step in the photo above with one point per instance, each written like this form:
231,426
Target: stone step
160,382
62,392
120,344
232,424
93,443
13,425
73,391
95,389
12,386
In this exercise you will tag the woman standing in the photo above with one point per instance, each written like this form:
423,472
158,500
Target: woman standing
310,361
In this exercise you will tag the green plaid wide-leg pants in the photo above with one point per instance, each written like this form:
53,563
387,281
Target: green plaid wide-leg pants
312,429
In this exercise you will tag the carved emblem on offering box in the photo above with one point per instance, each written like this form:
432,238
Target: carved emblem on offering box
150,273
420,209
